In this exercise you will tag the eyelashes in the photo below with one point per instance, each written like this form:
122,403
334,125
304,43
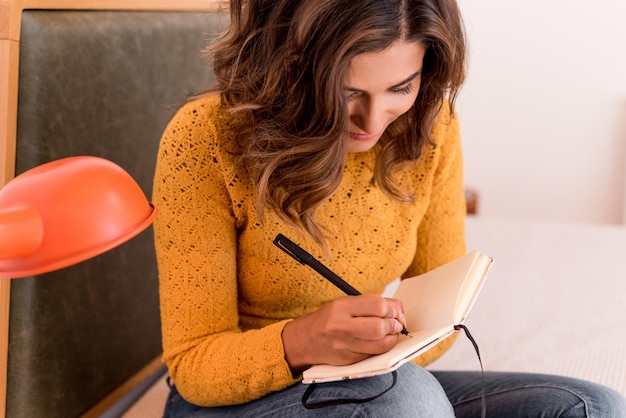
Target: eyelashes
404,90
352,96
408,89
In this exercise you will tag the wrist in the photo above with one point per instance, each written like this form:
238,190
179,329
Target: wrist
295,343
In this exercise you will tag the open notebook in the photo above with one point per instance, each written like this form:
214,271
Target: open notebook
434,304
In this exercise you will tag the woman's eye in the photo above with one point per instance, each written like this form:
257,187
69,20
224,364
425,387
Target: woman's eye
351,95
403,90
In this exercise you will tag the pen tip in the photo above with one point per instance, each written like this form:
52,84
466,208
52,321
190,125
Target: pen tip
404,332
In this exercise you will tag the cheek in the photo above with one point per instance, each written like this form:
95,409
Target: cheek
403,104
351,109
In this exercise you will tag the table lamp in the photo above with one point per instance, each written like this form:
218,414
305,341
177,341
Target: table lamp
67,211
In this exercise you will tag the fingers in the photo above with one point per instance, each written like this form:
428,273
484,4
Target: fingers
385,315
364,348
345,330
367,324
373,335
373,328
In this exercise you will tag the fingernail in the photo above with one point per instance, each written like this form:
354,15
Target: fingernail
397,327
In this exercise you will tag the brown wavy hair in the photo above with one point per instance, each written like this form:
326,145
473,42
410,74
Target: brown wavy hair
283,64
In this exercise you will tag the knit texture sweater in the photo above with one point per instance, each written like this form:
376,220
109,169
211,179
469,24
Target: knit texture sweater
226,291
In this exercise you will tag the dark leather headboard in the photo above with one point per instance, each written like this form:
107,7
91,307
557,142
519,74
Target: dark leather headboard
101,83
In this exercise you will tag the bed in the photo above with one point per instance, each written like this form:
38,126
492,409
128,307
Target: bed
554,301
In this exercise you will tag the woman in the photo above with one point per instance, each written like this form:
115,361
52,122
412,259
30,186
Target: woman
332,124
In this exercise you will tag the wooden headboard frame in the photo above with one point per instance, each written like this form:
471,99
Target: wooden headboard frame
10,26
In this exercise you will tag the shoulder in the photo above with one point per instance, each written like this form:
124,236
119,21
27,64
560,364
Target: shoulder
444,153
202,125
445,135
200,139
207,106
202,115
446,126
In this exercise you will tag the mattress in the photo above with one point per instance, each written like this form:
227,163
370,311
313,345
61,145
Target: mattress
554,301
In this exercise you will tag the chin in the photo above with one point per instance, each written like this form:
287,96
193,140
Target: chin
360,146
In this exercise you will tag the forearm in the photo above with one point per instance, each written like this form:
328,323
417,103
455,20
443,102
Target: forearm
230,367
211,361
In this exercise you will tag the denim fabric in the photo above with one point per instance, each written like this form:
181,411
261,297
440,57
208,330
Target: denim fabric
530,395
416,394
419,393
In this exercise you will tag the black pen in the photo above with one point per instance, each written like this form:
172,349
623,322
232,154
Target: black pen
303,257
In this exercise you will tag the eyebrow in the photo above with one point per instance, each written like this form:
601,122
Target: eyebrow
403,82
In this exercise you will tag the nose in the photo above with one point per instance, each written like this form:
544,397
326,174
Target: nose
368,114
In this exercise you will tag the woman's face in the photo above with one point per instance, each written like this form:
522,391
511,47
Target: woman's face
381,86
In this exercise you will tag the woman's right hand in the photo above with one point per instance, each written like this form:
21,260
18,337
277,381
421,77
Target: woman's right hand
346,330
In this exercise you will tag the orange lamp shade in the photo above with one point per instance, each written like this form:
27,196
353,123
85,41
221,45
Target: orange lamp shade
67,211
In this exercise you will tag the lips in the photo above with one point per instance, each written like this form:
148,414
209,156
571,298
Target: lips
360,137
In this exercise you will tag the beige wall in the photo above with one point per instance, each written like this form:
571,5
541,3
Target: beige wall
544,111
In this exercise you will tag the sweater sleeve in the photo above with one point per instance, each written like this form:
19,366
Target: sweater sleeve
211,361
441,234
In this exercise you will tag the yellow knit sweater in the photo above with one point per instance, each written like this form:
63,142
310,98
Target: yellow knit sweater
227,292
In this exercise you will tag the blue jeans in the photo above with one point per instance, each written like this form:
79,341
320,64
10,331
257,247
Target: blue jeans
530,395
419,393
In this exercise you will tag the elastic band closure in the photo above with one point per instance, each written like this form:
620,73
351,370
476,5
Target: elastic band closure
482,371
332,402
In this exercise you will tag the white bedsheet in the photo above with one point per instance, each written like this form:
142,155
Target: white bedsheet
554,301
